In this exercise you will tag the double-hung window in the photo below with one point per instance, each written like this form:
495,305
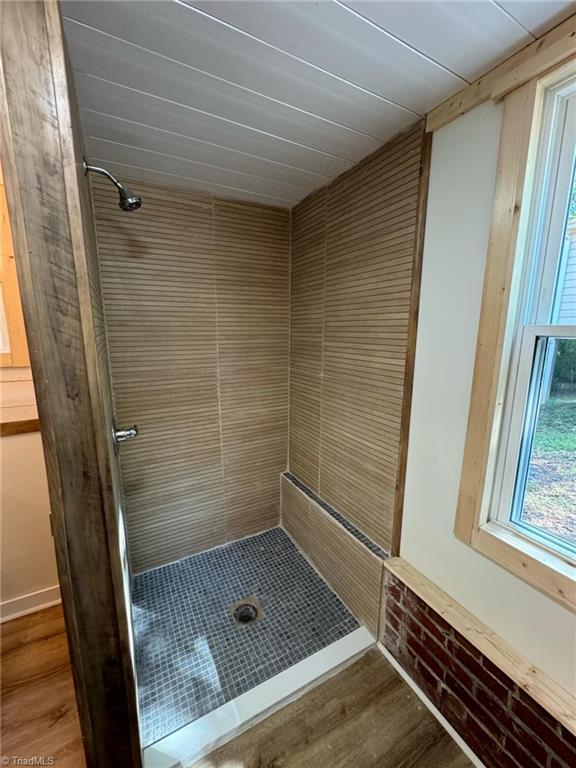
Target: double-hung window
517,501
535,484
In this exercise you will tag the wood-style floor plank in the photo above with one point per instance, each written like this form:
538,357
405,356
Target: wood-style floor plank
364,717
39,716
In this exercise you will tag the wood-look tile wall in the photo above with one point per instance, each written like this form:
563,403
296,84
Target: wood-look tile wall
353,572
196,301
353,247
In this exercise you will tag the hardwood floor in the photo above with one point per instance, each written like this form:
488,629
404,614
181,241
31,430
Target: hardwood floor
38,716
364,717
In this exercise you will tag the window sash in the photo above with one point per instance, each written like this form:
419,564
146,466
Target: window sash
521,425
553,185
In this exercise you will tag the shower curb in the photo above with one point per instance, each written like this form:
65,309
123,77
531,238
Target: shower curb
195,740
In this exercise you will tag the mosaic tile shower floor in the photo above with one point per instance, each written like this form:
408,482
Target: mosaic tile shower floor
192,656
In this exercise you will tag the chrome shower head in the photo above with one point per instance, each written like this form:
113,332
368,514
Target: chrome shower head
128,200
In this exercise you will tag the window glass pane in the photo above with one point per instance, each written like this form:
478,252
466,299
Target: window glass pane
565,299
546,481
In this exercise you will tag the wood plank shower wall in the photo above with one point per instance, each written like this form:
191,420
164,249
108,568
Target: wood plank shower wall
353,249
196,301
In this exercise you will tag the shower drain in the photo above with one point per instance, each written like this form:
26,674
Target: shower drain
247,611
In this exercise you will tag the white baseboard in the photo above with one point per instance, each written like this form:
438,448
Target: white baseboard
436,712
34,601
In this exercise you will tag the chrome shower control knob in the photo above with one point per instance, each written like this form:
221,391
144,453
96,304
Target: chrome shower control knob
121,435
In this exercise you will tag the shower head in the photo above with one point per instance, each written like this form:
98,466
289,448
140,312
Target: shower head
128,200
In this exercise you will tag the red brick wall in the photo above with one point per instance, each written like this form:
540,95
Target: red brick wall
504,726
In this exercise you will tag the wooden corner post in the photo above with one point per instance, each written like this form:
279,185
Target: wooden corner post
56,260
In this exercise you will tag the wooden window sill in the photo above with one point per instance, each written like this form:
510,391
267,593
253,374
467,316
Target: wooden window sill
550,573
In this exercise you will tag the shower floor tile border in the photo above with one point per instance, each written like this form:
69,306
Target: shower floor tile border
192,657
197,739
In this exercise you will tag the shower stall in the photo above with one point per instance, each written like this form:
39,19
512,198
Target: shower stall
226,422
260,352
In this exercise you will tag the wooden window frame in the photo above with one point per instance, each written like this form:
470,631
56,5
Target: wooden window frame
542,568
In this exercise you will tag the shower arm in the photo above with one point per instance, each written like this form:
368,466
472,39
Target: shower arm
102,171
128,201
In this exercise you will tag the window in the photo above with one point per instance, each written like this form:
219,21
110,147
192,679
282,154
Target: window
517,499
535,488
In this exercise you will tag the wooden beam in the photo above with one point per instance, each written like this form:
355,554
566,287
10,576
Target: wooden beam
56,260
536,57
555,699
562,51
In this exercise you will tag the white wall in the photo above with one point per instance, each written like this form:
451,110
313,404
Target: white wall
464,156
28,574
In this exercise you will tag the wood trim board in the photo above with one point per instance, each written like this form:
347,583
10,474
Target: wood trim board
562,51
547,692
510,177
546,571
554,46
411,341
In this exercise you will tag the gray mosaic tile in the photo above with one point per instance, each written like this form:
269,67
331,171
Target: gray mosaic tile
356,532
191,655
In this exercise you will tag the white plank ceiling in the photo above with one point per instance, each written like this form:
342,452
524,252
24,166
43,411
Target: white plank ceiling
270,99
